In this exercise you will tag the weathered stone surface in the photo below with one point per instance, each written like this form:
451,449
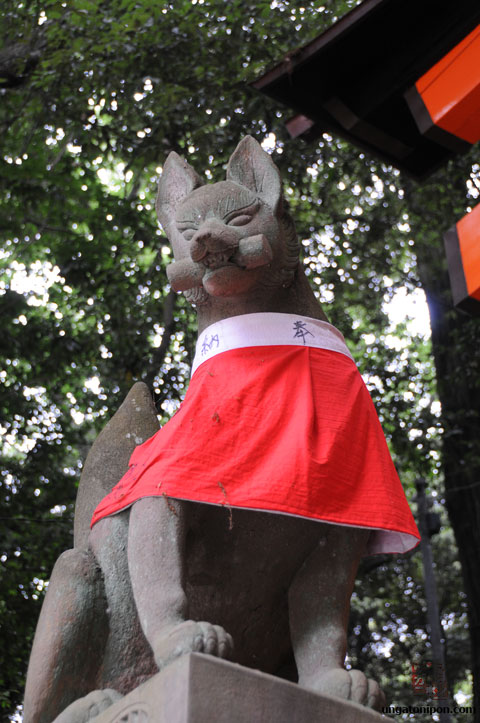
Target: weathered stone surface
201,689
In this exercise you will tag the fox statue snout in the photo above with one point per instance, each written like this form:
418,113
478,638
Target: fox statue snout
216,244
212,250
213,238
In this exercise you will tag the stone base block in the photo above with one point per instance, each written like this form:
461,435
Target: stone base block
199,688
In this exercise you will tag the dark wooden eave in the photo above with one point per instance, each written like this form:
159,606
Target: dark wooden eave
352,80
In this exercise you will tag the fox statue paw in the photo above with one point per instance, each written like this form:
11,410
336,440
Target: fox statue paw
88,707
347,684
192,637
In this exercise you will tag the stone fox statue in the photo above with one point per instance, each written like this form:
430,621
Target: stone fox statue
238,528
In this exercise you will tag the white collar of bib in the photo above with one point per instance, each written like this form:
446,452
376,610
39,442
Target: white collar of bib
267,329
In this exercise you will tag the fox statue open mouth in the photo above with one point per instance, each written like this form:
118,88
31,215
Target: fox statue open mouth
217,259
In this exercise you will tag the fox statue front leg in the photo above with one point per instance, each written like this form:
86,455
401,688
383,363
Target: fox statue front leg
319,605
157,572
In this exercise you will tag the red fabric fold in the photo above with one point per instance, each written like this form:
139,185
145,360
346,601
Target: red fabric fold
287,429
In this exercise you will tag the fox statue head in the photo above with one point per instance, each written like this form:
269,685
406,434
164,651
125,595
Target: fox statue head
230,239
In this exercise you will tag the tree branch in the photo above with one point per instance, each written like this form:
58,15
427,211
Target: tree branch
18,60
169,327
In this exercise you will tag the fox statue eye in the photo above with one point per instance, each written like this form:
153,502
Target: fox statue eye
240,220
242,214
188,233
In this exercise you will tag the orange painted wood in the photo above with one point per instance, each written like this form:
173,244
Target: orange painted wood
451,89
468,231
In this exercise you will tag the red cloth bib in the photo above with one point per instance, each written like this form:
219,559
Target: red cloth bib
287,429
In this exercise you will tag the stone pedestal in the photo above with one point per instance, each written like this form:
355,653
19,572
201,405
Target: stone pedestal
202,689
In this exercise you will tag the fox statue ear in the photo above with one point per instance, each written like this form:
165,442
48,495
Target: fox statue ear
177,181
252,167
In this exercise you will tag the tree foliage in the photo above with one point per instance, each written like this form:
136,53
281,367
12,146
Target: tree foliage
94,96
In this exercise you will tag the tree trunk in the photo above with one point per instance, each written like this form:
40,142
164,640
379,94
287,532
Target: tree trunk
456,350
